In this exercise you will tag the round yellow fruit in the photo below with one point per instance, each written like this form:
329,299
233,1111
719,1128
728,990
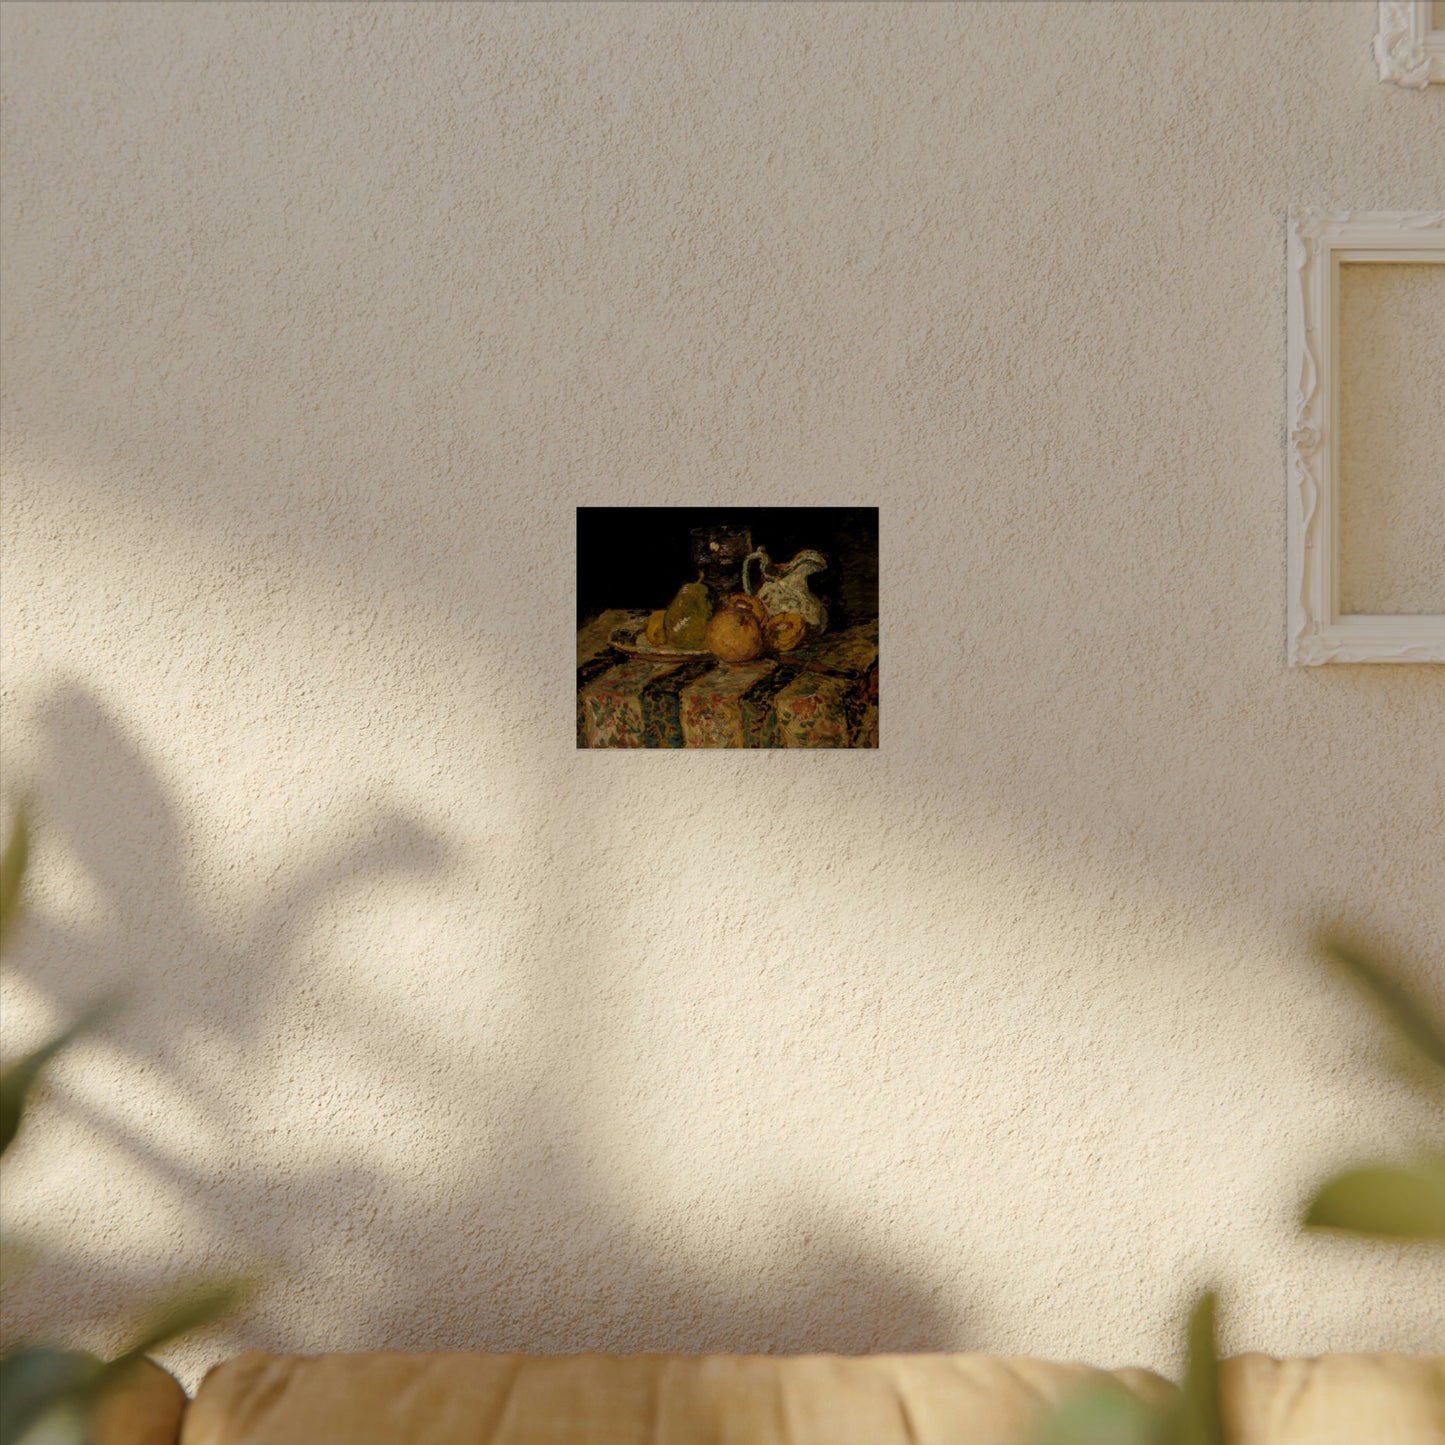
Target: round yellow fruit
749,604
657,628
735,635
786,631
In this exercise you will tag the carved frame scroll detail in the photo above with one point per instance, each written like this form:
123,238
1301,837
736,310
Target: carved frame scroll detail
1409,48
1319,242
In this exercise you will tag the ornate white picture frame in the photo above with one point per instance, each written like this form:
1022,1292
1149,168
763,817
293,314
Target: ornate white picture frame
1410,43
1320,241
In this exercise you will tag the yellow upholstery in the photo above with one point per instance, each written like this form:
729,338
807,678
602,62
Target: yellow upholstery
1335,1400
473,1399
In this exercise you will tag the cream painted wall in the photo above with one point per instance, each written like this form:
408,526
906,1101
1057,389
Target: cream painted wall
320,320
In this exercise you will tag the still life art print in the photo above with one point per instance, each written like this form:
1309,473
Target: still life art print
744,628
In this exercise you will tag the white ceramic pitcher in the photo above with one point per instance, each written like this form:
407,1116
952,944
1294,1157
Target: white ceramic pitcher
785,588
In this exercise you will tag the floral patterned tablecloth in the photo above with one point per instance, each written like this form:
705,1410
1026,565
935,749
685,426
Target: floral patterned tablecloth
823,695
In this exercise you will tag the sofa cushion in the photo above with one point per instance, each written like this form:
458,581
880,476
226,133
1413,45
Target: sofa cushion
476,1399
1334,1400
143,1407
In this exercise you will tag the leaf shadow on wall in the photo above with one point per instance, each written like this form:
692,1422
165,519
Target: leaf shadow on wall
533,1248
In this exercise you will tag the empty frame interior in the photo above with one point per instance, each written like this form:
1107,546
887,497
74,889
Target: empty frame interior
1390,461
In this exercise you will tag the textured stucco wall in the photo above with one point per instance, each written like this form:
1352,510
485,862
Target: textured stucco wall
319,320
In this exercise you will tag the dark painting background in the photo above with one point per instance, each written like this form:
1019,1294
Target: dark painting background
639,556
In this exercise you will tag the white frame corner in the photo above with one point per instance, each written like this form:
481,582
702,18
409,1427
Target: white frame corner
1409,48
1319,242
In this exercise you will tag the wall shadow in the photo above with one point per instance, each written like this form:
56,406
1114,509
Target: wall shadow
282,335
532,1250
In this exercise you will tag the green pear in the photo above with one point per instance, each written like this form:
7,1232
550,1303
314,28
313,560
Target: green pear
688,615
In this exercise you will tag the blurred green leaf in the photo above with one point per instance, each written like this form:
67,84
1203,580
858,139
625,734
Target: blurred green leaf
1412,1022
19,1078
198,1305
47,1396
1197,1418
36,1383
1392,1201
69,1423
15,1260
52,1392
12,871
1102,1413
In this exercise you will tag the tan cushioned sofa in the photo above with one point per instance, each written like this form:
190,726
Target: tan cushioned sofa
476,1399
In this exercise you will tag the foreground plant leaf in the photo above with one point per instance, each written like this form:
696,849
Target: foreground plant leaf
1102,1414
197,1306
1198,1419
1105,1413
48,1396
19,1078
46,1385
16,1260
1408,1018
1391,1201
53,1392
12,872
